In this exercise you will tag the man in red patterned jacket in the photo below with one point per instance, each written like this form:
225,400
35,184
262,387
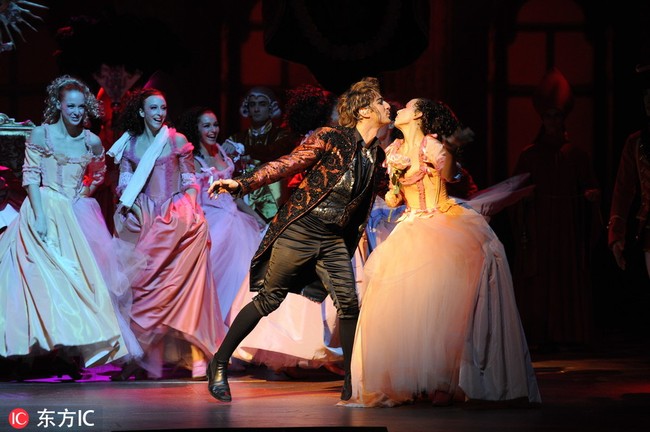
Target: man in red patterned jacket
308,246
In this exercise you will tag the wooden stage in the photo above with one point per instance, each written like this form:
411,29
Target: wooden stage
606,389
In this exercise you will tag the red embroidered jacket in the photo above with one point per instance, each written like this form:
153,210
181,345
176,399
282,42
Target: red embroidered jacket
325,156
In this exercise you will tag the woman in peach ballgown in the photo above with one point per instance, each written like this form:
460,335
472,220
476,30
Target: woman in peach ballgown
438,315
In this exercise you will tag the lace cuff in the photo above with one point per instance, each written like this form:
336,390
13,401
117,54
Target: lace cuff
188,180
125,178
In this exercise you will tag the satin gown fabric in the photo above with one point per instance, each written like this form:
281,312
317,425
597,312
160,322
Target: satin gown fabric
52,293
438,311
235,235
173,297
300,333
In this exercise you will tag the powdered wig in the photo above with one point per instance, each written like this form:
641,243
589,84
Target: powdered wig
265,92
132,122
361,95
55,92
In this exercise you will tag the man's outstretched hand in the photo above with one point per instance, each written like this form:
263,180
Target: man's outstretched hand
223,186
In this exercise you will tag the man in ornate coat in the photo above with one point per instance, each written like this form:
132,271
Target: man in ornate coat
262,142
308,246
633,183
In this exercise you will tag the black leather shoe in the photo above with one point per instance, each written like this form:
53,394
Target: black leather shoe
130,369
218,380
346,392
67,365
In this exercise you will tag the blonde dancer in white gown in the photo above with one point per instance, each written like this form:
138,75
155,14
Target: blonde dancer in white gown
438,315
53,296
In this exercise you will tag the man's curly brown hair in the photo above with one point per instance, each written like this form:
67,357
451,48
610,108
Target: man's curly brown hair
360,95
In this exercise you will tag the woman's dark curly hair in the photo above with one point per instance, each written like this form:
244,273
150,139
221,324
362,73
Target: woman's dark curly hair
437,118
131,120
188,125
308,107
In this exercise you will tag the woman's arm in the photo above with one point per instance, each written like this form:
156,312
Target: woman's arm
442,158
34,148
186,164
126,173
34,194
450,169
96,170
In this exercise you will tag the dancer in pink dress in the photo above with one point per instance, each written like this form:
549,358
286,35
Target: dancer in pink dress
438,315
235,228
53,296
174,300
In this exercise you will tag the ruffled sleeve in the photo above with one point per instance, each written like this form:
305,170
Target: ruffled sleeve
390,149
434,152
32,170
186,166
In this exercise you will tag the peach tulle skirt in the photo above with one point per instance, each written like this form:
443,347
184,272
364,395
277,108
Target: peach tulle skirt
438,313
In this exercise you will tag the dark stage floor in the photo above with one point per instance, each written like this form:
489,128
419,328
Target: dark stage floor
601,389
